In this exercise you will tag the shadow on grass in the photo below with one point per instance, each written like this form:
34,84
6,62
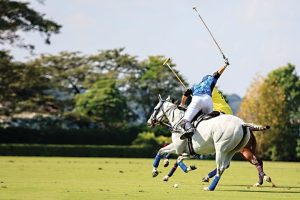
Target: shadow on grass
288,188
263,191
267,186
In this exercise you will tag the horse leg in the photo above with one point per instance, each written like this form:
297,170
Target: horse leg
166,178
209,175
167,149
183,166
254,160
179,162
223,162
261,174
166,161
248,155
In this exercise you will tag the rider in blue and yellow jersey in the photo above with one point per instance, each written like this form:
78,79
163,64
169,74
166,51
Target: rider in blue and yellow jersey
201,100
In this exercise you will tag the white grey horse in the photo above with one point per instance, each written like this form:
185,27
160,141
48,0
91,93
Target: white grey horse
223,135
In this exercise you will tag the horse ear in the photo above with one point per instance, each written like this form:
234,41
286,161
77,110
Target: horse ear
159,97
169,98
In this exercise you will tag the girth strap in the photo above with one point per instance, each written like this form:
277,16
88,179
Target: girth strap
191,149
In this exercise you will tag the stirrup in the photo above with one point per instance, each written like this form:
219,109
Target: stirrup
186,135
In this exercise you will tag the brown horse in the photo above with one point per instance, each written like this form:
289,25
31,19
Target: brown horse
248,153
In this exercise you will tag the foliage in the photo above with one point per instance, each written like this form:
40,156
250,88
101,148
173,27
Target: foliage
273,101
152,80
21,86
132,151
54,135
60,78
298,149
103,103
149,139
17,17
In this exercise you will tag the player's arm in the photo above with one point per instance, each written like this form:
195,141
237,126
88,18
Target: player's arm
218,73
186,94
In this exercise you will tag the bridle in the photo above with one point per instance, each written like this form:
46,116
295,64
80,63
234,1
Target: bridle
155,120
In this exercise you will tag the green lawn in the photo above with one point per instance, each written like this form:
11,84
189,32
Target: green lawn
112,178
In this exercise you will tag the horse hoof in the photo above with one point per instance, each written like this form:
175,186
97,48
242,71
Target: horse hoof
166,178
256,185
154,173
193,167
166,163
207,189
268,179
205,179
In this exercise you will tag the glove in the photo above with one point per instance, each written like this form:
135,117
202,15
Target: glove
226,61
181,107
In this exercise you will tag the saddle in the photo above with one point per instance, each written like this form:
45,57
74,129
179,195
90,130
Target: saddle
202,117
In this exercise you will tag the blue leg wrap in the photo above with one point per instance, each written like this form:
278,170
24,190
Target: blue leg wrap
183,167
173,170
212,173
156,160
214,183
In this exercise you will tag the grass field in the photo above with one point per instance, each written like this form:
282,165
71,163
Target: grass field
112,178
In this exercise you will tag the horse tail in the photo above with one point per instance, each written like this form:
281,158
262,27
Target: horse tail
255,127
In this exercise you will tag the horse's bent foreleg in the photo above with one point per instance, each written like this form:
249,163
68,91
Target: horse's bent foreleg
179,162
166,161
156,164
167,149
183,166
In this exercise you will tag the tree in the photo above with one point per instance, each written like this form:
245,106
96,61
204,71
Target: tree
21,86
66,73
16,17
152,80
59,78
103,103
274,100
71,73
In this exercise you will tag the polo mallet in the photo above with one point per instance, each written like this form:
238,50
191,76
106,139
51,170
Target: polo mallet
167,63
224,57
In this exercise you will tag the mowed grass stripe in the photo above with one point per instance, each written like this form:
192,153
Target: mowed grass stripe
119,178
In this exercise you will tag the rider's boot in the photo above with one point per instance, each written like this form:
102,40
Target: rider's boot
188,130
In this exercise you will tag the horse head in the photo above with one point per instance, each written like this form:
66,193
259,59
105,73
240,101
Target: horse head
158,114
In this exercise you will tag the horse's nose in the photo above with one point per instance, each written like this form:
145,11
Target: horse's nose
150,123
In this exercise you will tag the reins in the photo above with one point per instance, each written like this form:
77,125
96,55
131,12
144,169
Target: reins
172,129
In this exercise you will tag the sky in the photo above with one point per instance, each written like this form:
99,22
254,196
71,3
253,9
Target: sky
256,36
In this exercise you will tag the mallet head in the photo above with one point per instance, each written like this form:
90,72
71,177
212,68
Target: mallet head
166,61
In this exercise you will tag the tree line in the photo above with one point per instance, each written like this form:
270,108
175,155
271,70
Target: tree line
106,89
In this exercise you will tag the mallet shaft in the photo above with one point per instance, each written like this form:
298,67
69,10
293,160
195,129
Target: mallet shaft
166,63
224,57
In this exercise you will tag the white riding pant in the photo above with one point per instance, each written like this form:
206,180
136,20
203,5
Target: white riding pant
203,103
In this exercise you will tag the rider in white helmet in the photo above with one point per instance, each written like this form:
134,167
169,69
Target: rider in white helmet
201,100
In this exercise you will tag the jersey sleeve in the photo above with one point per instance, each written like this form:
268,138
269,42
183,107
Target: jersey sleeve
188,92
216,75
